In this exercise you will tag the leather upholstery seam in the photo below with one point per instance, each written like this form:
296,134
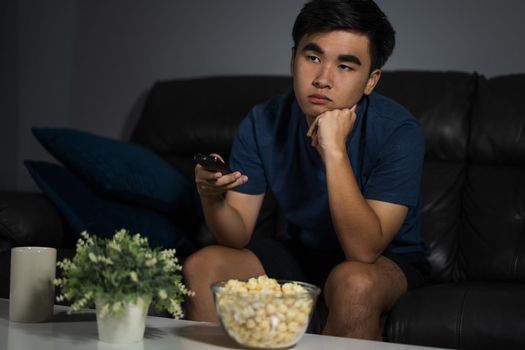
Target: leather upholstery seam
459,327
517,252
521,238
473,98
459,257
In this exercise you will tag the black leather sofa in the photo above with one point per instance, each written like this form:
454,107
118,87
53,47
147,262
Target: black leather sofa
473,194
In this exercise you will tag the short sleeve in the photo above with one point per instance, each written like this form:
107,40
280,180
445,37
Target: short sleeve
396,175
246,158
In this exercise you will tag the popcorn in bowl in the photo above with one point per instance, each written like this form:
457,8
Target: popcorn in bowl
263,312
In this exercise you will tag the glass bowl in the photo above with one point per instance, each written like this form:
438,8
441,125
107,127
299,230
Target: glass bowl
262,318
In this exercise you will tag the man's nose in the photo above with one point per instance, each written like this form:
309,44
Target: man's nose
323,80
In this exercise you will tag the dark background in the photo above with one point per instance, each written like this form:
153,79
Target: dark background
86,64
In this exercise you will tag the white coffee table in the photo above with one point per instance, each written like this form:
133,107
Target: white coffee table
79,332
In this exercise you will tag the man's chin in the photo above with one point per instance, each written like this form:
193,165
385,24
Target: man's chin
311,109
316,110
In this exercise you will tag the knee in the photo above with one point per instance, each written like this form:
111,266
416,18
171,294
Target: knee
349,285
201,262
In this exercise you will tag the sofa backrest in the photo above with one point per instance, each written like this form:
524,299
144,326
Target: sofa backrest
473,180
183,117
442,102
494,196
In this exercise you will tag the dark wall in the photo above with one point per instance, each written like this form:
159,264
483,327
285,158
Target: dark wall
46,32
8,94
469,35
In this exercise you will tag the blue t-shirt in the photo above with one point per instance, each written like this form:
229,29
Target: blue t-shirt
385,148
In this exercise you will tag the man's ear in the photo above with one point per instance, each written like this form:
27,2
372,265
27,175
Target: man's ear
373,79
292,60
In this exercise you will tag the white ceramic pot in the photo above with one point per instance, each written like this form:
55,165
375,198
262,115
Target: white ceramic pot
127,326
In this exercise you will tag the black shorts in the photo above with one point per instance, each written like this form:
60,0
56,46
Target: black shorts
292,261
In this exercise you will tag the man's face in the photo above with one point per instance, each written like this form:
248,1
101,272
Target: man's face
331,71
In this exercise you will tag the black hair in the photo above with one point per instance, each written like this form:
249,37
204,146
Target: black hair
358,16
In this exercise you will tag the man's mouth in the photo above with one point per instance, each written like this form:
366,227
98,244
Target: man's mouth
318,99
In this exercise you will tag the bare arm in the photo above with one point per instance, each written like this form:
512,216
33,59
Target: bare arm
232,219
230,216
364,227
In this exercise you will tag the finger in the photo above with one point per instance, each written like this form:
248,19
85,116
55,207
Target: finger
353,113
228,178
224,185
219,183
313,130
201,173
214,190
240,181
217,155
314,139
217,179
313,127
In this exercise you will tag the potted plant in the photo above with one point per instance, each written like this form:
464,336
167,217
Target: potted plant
121,276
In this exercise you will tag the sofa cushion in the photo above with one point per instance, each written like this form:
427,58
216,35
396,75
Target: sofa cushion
465,315
85,209
128,172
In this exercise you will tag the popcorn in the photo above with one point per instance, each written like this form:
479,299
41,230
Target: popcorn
261,313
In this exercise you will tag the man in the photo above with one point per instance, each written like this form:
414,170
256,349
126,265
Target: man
344,165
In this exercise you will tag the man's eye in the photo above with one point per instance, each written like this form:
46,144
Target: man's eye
313,58
345,67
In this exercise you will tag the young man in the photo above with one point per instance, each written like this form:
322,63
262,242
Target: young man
344,165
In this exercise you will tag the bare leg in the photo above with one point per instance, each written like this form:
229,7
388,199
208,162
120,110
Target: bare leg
212,264
357,293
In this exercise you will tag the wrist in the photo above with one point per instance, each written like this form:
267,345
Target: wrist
335,155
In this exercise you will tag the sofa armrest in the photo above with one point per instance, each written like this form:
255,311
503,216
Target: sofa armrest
30,219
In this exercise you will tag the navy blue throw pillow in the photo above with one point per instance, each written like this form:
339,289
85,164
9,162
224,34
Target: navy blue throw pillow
127,171
84,209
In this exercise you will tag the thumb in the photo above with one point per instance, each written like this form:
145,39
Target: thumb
217,155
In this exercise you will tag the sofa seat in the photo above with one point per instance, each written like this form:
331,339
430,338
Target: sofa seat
451,315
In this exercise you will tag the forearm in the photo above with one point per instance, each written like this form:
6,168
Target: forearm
356,224
225,223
